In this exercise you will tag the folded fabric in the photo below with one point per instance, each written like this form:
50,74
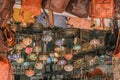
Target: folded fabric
59,20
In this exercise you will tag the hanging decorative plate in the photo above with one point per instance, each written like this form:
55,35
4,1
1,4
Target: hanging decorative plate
68,56
49,60
27,41
32,56
20,60
29,72
77,47
25,64
43,57
68,68
59,42
37,49
54,60
38,65
58,49
95,42
18,47
28,50
46,38
56,54
62,62
14,57
23,45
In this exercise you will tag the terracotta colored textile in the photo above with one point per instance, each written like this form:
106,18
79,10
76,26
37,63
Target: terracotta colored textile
5,69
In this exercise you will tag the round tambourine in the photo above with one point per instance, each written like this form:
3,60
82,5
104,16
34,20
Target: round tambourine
68,68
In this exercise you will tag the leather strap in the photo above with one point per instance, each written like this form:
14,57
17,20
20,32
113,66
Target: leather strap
117,44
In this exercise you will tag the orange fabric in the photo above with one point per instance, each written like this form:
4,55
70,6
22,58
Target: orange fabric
102,9
80,23
5,69
32,6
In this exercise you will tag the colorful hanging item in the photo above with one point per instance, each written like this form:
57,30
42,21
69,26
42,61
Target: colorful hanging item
62,62
29,72
38,65
59,42
68,68
32,56
68,56
28,50
76,47
20,60
27,41
43,57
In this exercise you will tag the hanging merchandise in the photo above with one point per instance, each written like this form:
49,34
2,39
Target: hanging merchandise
25,64
47,38
28,50
20,60
43,57
62,62
79,8
32,56
68,56
27,41
59,42
56,5
39,65
68,68
95,42
29,72
33,7
18,47
55,60
59,20
37,49
14,57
